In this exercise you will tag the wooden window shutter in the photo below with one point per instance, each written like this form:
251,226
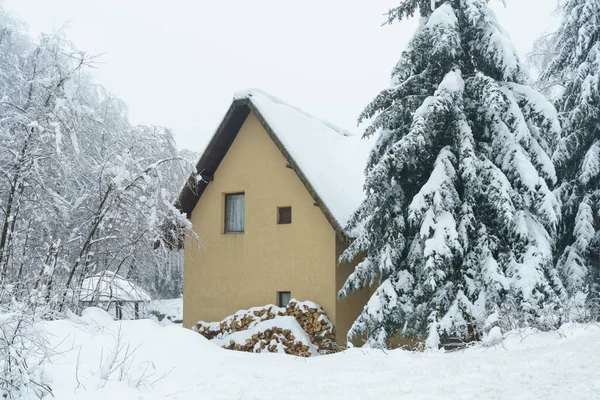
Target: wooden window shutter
284,215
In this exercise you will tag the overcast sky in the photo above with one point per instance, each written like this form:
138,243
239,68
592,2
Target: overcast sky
178,63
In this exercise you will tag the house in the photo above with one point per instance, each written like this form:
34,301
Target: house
277,188
118,296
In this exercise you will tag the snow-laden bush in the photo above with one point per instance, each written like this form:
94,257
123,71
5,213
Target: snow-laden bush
493,337
23,350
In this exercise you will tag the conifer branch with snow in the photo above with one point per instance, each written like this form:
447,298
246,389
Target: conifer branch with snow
459,215
576,63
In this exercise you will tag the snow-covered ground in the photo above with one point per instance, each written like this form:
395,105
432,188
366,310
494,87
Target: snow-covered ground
165,361
172,308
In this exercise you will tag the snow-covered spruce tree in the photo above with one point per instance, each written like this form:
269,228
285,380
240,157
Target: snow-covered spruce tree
459,217
577,157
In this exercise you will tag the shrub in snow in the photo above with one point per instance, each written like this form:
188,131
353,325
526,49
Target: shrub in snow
269,328
23,349
493,337
582,307
118,363
459,216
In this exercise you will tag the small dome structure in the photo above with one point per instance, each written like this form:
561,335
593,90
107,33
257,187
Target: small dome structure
117,295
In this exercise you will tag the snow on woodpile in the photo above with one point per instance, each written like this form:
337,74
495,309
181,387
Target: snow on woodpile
108,286
279,335
300,328
332,159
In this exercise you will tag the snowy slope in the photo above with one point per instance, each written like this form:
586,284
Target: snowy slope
332,159
526,366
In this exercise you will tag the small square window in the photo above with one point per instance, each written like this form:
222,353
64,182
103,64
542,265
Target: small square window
284,215
283,298
234,213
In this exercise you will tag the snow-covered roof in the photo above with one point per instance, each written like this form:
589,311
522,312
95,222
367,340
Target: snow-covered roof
108,286
330,161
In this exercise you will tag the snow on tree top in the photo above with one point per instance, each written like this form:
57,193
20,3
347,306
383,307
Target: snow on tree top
332,159
108,286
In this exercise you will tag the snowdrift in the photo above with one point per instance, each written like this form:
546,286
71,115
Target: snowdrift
166,361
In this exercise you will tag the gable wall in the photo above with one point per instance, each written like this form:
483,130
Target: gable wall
229,272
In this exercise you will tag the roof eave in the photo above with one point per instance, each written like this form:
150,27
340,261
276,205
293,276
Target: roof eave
193,189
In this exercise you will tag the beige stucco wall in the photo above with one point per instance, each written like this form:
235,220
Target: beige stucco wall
229,272
349,308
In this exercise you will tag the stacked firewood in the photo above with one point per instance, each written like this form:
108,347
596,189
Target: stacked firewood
315,323
309,316
273,341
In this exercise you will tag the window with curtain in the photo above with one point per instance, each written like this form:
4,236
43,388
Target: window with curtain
234,212
284,298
